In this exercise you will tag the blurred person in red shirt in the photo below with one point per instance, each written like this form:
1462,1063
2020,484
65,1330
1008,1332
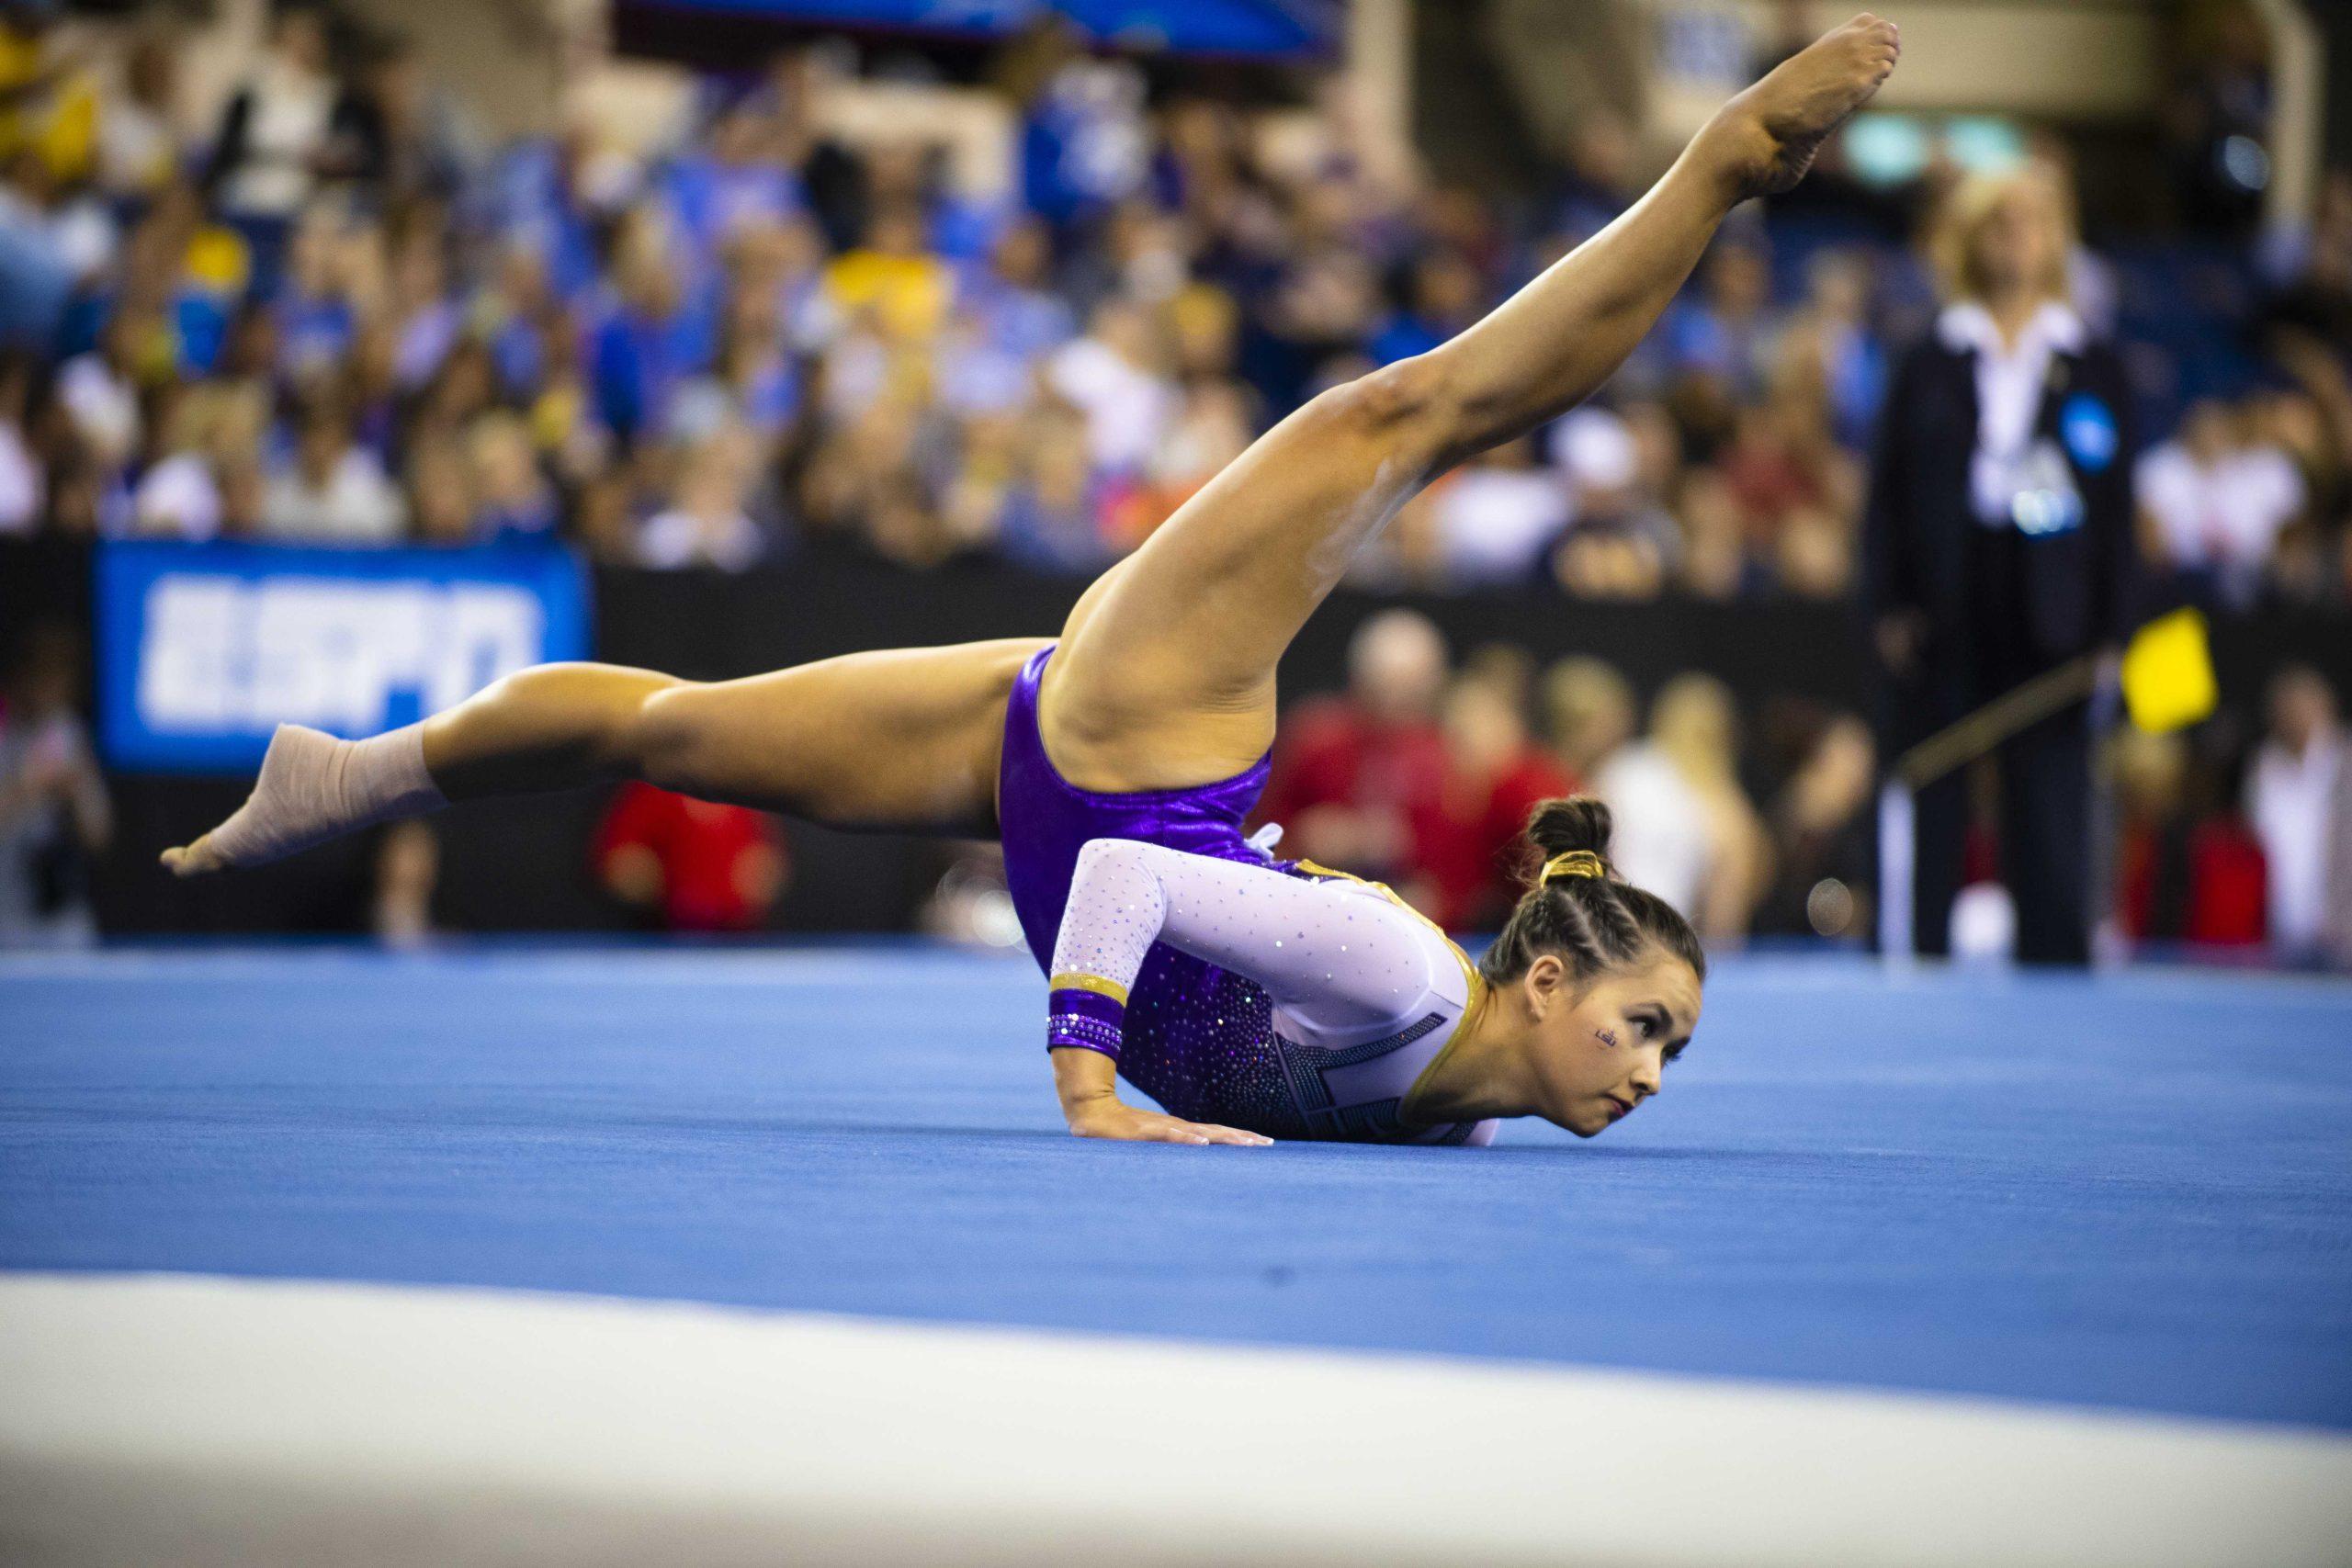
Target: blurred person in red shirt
1496,775
699,866
2188,865
1359,780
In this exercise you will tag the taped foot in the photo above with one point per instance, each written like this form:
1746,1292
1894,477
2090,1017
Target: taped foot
314,787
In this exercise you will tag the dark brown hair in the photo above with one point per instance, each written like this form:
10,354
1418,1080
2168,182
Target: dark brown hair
1593,923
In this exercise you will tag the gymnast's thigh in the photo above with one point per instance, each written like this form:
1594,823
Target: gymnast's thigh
1165,675
899,740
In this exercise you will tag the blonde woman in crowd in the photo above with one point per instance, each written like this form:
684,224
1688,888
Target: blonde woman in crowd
1684,825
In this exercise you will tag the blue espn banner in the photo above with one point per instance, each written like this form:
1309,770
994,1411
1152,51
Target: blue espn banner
204,649
1273,30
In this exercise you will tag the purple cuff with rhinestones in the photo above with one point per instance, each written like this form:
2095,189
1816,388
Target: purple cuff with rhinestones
1084,1018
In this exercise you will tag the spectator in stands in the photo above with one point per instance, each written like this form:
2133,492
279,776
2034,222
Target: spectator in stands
1832,339
209,425
138,150
408,869
54,814
1011,300
1496,776
2213,501
1445,294
1588,713
401,139
440,493
1720,337
513,500
2292,799
1084,144
2150,773
2190,867
334,491
273,144
1359,780
1116,376
99,391
2311,424
1795,492
1496,516
708,521
1050,515
1620,541
1663,839
2228,873
690,865
893,280
729,181
752,380
37,272
2218,114
331,262
1683,821
2312,267
643,339
419,312
1211,427
23,487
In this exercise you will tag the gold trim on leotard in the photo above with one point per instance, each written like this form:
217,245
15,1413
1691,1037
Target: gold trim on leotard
1075,981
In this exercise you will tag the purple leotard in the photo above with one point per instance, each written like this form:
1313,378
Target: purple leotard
1199,1038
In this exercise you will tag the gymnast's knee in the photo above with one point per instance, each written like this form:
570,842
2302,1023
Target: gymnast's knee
664,737
1414,404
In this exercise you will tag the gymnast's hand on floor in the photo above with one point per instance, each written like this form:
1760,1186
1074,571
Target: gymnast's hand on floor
1087,1083
1106,1117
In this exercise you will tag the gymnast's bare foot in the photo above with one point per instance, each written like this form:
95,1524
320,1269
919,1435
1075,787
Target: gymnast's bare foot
1768,134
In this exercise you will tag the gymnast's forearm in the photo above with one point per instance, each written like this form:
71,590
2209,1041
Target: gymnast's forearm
1548,346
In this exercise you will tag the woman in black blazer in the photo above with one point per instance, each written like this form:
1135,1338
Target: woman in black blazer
1998,544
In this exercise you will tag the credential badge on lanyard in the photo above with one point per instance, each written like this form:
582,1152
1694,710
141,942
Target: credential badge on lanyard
2043,499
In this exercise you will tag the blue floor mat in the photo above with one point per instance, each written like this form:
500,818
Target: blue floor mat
2131,1191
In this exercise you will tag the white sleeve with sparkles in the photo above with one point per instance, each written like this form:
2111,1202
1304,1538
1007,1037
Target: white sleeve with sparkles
1336,954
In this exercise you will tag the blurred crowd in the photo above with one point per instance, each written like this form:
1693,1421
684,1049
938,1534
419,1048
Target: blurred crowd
332,313
2228,839
2225,837
1421,773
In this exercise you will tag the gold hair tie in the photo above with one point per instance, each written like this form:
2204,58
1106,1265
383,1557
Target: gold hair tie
1575,863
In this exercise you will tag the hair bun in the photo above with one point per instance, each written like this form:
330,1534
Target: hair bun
1565,826
1571,834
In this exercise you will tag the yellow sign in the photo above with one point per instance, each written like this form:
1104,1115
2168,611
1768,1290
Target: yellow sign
2168,673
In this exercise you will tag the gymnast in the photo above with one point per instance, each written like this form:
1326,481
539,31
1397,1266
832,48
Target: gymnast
1252,997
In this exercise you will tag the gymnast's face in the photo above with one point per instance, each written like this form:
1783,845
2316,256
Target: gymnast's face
1598,1052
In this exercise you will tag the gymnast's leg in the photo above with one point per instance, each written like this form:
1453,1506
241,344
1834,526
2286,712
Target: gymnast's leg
1165,677
903,740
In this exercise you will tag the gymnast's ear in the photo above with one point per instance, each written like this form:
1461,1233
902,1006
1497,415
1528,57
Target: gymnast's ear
1545,983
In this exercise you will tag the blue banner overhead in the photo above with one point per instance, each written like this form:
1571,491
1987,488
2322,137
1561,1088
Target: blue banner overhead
204,649
1270,29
